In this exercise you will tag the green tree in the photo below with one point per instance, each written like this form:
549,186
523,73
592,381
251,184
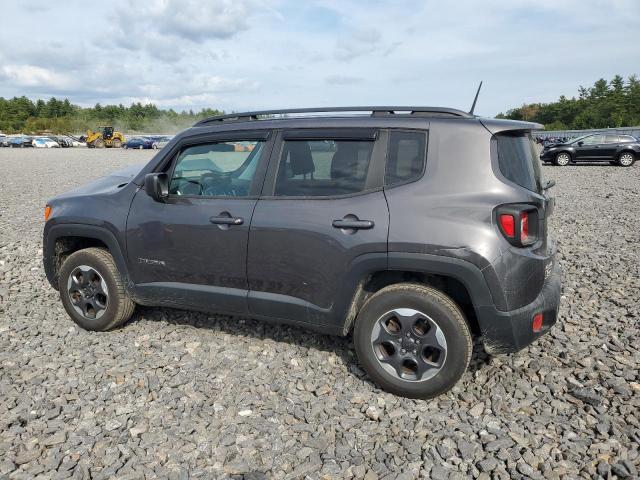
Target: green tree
605,104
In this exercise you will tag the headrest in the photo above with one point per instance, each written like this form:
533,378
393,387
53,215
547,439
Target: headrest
300,157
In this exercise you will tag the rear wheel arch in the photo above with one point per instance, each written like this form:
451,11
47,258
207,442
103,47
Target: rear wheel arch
462,281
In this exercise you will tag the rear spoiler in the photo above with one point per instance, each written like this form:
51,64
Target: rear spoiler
494,125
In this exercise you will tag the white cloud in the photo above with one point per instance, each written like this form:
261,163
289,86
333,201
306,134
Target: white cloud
34,76
237,54
358,43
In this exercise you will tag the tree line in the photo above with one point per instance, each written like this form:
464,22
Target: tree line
614,103
22,115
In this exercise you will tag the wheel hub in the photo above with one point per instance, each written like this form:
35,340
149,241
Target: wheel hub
87,292
409,344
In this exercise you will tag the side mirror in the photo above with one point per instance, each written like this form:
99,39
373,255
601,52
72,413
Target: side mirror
157,186
580,143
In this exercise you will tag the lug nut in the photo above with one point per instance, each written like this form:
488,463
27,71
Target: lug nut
403,351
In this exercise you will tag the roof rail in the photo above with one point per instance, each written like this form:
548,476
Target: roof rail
375,111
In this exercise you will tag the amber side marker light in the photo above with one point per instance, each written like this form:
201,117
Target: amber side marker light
47,212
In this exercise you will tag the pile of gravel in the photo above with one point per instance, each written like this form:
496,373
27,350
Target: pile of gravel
175,394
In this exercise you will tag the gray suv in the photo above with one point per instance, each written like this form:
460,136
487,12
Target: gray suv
414,228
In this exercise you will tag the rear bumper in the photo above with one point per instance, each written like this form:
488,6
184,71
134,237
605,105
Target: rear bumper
507,332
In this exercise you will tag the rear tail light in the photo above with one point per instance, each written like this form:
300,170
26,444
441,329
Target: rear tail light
518,224
536,325
508,225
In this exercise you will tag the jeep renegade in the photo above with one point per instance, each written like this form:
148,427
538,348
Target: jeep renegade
412,227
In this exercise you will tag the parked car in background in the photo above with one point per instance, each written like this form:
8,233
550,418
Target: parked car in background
4,141
139,143
160,142
63,141
75,142
616,149
20,142
45,142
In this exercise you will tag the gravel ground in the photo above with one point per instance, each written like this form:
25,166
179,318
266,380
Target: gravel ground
175,394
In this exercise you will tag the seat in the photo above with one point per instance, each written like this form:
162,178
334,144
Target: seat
344,163
300,159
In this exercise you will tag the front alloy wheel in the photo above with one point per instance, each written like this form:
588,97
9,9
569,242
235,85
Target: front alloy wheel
92,291
563,159
88,292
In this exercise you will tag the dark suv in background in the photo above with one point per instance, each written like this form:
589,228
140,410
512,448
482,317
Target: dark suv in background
412,227
616,149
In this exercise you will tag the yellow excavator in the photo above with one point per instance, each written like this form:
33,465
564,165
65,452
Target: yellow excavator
105,137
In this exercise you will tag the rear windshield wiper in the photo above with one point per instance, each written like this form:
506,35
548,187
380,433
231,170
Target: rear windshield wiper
548,185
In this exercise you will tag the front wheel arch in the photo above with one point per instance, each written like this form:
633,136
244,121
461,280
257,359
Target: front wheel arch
61,240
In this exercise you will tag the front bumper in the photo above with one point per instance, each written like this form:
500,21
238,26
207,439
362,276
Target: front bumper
546,155
507,332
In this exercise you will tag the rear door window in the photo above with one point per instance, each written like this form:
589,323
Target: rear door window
323,167
518,160
406,157
611,139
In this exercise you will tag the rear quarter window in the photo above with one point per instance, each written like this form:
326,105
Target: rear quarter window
518,160
406,157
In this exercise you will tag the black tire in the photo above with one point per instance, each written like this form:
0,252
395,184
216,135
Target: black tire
562,159
626,159
442,312
118,306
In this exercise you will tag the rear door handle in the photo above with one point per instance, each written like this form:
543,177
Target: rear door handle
224,220
353,224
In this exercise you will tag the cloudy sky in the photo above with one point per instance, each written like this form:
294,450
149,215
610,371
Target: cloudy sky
249,54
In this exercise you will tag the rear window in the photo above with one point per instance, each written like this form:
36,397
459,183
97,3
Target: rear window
518,160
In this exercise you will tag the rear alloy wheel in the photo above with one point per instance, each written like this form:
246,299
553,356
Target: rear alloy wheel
562,159
92,291
626,159
412,340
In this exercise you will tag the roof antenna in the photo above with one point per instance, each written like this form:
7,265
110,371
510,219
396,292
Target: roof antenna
473,105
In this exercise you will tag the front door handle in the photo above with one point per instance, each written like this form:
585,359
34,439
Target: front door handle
353,224
226,220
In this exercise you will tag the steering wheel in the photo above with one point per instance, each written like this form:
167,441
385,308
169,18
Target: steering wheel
189,187
214,184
